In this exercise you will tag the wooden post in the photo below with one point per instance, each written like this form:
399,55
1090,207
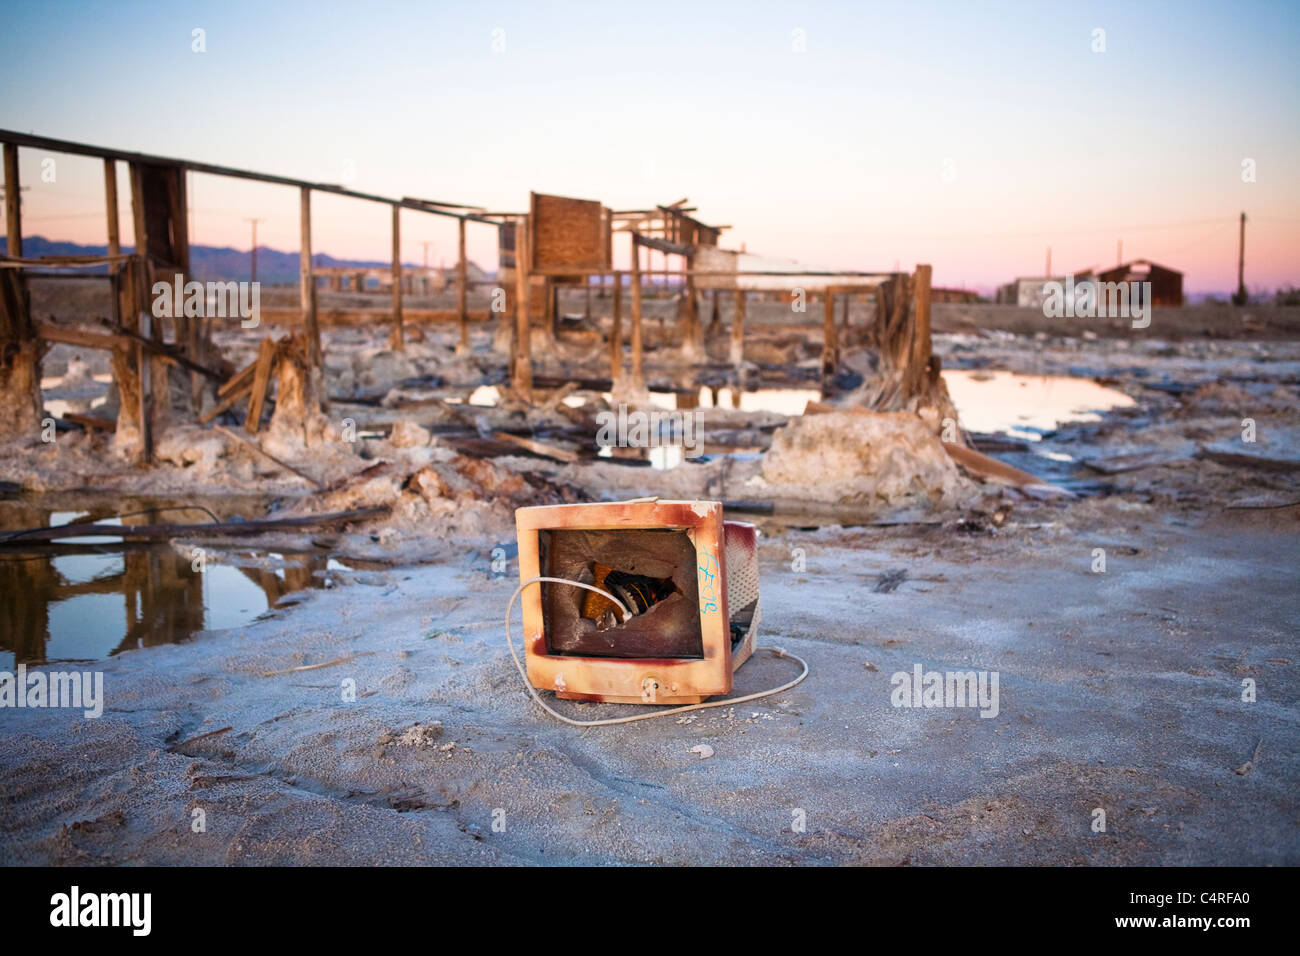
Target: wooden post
13,215
190,331
398,340
716,318
522,378
462,290
919,372
20,360
738,329
551,319
139,379
307,284
638,368
691,339
137,212
261,381
114,236
616,332
110,201
830,347
145,373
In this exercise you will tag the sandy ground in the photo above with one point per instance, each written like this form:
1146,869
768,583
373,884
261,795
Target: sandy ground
1119,690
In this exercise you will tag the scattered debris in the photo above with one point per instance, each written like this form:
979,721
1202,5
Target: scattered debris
312,667
212,733
889,581
266,454
1249,765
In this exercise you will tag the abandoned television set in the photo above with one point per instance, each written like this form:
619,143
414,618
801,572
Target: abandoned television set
688,579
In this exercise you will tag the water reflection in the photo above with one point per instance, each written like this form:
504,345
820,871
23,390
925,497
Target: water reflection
87,600
1024,406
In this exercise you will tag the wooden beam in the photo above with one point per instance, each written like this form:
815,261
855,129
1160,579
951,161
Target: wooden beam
84,149
237,381
397,341
13,200
229,399
91,421
82,339
664,246
167,532
537,447
307,283
462,288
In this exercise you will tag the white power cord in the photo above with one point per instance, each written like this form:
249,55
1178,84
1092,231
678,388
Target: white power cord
724,702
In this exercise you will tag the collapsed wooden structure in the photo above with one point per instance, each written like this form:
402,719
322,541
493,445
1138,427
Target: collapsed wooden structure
557,242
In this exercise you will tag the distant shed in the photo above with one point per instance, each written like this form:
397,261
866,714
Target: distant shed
1027,293
960,296
1166,283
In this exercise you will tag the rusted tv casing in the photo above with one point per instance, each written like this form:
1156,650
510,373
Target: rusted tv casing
633,680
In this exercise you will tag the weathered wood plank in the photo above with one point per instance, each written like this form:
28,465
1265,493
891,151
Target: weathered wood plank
13,203
397,341
307,282
261,382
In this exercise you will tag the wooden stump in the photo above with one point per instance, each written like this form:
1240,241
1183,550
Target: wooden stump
20,361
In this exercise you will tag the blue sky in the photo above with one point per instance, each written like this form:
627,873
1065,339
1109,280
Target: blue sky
968,135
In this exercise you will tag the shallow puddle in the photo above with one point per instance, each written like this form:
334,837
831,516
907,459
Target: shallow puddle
1025,406
90,598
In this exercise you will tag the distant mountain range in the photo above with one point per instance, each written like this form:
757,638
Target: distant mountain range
224,263
281,268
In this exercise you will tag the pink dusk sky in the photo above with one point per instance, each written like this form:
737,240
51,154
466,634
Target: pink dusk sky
970,137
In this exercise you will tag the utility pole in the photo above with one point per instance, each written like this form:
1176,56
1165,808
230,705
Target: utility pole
1240,297
254,222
